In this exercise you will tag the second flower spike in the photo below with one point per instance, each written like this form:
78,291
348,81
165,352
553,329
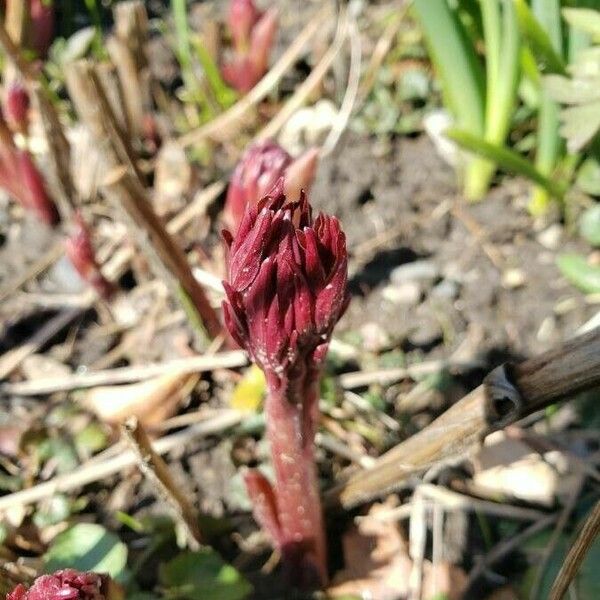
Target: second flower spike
260,168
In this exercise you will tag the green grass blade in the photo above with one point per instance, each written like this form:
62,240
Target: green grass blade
456,62
549,143
538,39
507,159
502,50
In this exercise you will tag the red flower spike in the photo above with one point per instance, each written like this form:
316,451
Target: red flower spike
286,290
253,35
80,251
67,584
16,107
33,192
260,168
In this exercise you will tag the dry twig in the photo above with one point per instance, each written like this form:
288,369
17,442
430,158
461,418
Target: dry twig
576,554
99,470
157,472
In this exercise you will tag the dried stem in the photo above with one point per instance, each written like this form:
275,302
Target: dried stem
576,554
124,187
157,472
88,473
167,259
507,395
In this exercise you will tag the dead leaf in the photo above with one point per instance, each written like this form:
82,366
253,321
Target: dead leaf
151,401
377,562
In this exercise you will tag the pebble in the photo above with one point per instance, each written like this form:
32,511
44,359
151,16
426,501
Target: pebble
445,290
513,278
550,237
547,330
408,293
374,337
65,278
419,270
427,332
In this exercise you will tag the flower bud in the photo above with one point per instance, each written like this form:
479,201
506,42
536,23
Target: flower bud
287,285
41,26
241,18
253,38
67,584
259,169
80,251
254,177
16,107
30,189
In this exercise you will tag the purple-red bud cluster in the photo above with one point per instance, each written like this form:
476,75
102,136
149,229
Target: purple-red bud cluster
67,584
287,284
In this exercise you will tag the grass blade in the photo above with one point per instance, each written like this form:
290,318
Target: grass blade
549,144
505,158
538,39
456,62
502,44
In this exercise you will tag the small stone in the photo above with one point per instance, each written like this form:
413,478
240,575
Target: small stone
513,278
419,270
408,293
426,333
445,290
375,338
547,330
566,305
550,237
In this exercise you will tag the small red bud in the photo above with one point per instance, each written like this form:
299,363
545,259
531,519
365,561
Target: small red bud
41,28
16,107
241,19
253,34
80,251
31,189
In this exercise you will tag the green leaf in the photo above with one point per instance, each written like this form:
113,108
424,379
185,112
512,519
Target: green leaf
505,158
456,62
581,274
200,575
588,177
584,19
87,547
589,225
539,41
580,124
572,91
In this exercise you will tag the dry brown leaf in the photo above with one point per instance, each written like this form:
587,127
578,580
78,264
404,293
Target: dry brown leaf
151,401
443,579
377,561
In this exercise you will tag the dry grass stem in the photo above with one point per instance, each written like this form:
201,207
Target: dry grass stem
576,555
157,472
96,471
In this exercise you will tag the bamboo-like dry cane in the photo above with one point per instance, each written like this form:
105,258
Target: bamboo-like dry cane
576,554
508,394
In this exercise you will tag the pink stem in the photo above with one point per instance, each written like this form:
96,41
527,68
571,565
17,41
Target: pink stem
291,426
